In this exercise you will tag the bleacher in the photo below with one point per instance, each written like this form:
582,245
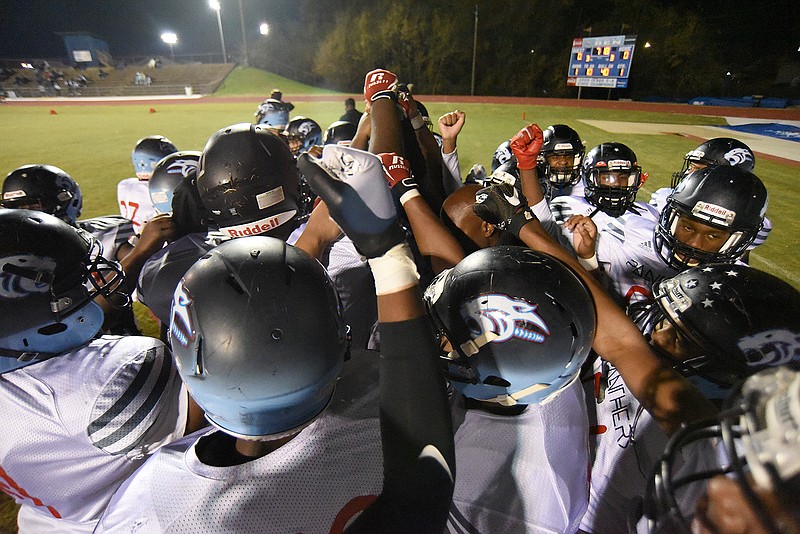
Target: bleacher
169,78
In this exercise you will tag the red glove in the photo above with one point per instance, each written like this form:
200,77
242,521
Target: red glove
398,174
526,146
379,83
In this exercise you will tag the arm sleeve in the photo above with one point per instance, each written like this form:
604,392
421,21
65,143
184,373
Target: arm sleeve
417,435
453,179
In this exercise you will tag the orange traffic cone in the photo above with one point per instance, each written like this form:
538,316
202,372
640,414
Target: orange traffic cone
53,112
152,110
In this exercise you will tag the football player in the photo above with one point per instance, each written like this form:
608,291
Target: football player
87,409
314,429
133,194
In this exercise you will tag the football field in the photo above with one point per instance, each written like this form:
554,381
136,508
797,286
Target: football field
92,141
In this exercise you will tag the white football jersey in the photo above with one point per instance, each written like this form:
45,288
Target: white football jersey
83,422
328,473
626,251
133,196
524,473
621,465
110,230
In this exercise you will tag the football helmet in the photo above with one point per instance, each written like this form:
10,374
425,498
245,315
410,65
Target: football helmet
238,336
149,151
273,113
503,155
728,311
339,133
612,158
561,140
50,273
248,179
729,198
717,151
753,441
520,322
302,133
43,188
167,174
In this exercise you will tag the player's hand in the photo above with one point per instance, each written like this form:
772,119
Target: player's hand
584,235
398,175
526,146
450,124
504,206
156,232
353,185
379,83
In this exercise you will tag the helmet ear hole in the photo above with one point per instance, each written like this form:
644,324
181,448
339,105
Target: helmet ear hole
492,380
52,329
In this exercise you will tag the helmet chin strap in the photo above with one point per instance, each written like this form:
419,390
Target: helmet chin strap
472,346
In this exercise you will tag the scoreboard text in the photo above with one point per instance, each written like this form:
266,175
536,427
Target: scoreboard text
601,61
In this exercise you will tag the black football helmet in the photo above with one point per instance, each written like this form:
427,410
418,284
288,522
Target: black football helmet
167,174
50,274
339,133
521,324
239,335
149,151
728,311
608,158
753,442
248,179
43,188
729,198
302,133
717,151
561,140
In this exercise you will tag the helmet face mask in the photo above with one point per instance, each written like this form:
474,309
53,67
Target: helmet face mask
276,378
717,151
561,140
753,442
43,188
51,274
726,202
513,340
148,152
612,163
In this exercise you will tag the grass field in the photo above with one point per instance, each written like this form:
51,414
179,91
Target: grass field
93,143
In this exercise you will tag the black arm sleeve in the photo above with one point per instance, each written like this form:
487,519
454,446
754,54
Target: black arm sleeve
417,435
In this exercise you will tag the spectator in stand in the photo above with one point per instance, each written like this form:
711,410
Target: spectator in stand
351,114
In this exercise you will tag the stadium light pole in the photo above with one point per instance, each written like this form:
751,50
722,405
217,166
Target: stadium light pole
263,29
214,4
171,39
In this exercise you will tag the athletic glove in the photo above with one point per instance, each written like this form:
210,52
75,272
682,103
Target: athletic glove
380,83
353,185
398,174
526,146
504,206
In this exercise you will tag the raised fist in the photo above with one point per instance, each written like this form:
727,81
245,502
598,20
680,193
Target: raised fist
526,146
379,83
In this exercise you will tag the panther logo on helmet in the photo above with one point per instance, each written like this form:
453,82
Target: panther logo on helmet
774,347
14,285
182,327
738,156
184,167
504,316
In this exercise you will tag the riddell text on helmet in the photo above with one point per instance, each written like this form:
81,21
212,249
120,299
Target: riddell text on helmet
259,227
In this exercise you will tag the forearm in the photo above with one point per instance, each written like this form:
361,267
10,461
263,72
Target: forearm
432,237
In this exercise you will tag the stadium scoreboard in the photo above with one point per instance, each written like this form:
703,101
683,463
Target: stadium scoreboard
601,61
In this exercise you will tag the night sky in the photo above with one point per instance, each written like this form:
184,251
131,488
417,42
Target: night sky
29,28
